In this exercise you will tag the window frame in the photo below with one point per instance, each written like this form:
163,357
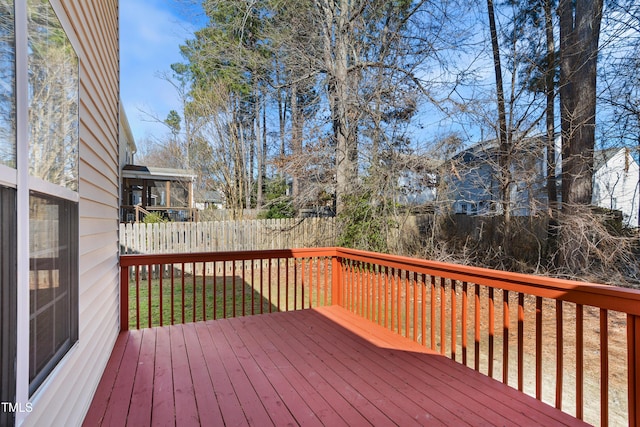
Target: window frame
25,184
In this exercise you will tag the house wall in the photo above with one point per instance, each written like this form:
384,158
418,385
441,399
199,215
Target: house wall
127,142
615,186
65,396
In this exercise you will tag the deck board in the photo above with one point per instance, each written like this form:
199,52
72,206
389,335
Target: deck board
323,366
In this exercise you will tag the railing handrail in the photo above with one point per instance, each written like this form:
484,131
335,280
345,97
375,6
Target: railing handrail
591,294
128,260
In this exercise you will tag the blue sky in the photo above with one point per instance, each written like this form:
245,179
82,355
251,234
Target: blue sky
150,34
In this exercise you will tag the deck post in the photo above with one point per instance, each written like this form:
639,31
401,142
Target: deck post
124,298
336,280
633,358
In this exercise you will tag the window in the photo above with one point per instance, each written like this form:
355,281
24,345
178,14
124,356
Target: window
53,99
39,140
53,290
52,87
7,85
8,217
8,289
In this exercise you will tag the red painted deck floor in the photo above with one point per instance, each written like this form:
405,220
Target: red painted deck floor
324,366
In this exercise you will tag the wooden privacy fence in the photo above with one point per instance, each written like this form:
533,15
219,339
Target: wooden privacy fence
217,236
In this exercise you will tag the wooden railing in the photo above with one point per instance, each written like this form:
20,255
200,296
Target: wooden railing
574,345
166,289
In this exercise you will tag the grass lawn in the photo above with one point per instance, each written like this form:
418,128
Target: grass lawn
221,296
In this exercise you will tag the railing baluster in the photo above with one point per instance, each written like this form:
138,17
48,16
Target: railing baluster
520,341
604,368
233,284
407,280
204,291
262,286
160,293
252,287
364,280
399,300
326,279
465,303
453,319
579,361
193,289
423,287
539,348
149,286
182,290
491,332
303,285
559,353
393,298
415,306
386,297
270,284
224,289
286,285
295,285
443,317
173,298
215,291
364,275
433,313
379,296
137,297
476,329
633,368
354,286
373,293
318,266
505,336
243,288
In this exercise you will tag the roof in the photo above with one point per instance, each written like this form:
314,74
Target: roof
211,196
601,157
152,172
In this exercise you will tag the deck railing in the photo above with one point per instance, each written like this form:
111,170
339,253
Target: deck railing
165,289
574,345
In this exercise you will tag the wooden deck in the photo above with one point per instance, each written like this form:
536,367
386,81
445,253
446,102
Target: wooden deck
321,366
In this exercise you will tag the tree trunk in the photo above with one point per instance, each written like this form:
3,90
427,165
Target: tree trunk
335,33
296,142
579,35
552,193
552,190
504,152
259,150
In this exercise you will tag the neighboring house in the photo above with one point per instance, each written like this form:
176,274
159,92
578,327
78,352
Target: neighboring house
471,179
418,180
210,199
473,187
59,287
127,143
151,189
616,181
164,190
